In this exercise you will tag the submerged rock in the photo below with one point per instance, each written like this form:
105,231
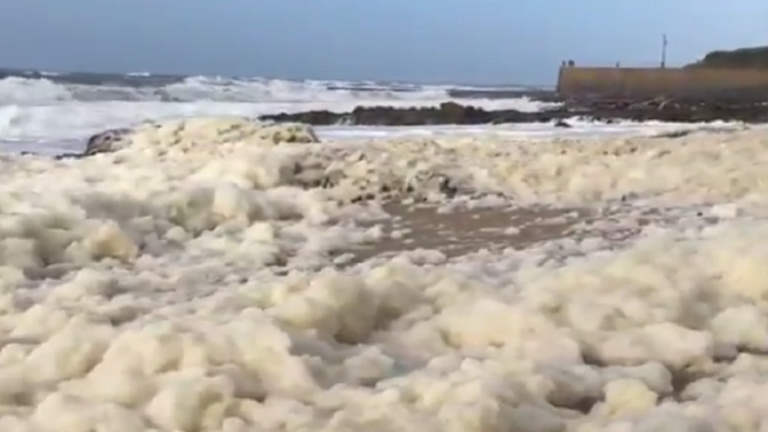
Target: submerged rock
600,110
445,113
108,141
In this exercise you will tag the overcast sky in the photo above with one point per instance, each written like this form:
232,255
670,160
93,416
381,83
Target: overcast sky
476,41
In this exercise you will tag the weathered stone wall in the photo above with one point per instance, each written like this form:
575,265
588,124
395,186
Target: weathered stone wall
697,83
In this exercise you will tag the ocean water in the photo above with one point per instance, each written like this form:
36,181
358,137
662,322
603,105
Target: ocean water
211,278
55,113
44,107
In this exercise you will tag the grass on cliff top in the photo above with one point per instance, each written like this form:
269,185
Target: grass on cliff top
754,57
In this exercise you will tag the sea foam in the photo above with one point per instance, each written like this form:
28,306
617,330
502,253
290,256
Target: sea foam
190,286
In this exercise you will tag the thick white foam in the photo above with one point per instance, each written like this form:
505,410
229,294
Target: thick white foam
139,291
182,134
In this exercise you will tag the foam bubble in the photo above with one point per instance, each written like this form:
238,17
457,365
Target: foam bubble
183,135
155,289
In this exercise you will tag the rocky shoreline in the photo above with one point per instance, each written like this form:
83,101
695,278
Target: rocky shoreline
451,113
606,110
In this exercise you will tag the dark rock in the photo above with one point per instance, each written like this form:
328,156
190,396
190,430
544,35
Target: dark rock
104,142
562,124
69,156
603,110
446,113
56,157
674,134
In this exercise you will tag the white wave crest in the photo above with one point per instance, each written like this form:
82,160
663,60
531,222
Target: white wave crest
24,91
35,91
41,109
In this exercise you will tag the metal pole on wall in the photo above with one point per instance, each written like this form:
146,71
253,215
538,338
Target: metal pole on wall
664,51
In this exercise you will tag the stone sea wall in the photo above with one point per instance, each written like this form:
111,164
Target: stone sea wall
695,83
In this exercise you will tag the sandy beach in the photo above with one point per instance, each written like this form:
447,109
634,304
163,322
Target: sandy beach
461,231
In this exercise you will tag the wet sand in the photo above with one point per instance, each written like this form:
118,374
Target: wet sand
464,230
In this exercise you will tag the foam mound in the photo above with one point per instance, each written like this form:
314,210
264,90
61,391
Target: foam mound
195,288
197,131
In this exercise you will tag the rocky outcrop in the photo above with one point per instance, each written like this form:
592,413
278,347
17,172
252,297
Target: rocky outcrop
107,141
445,113
743,58
671,110
451,113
